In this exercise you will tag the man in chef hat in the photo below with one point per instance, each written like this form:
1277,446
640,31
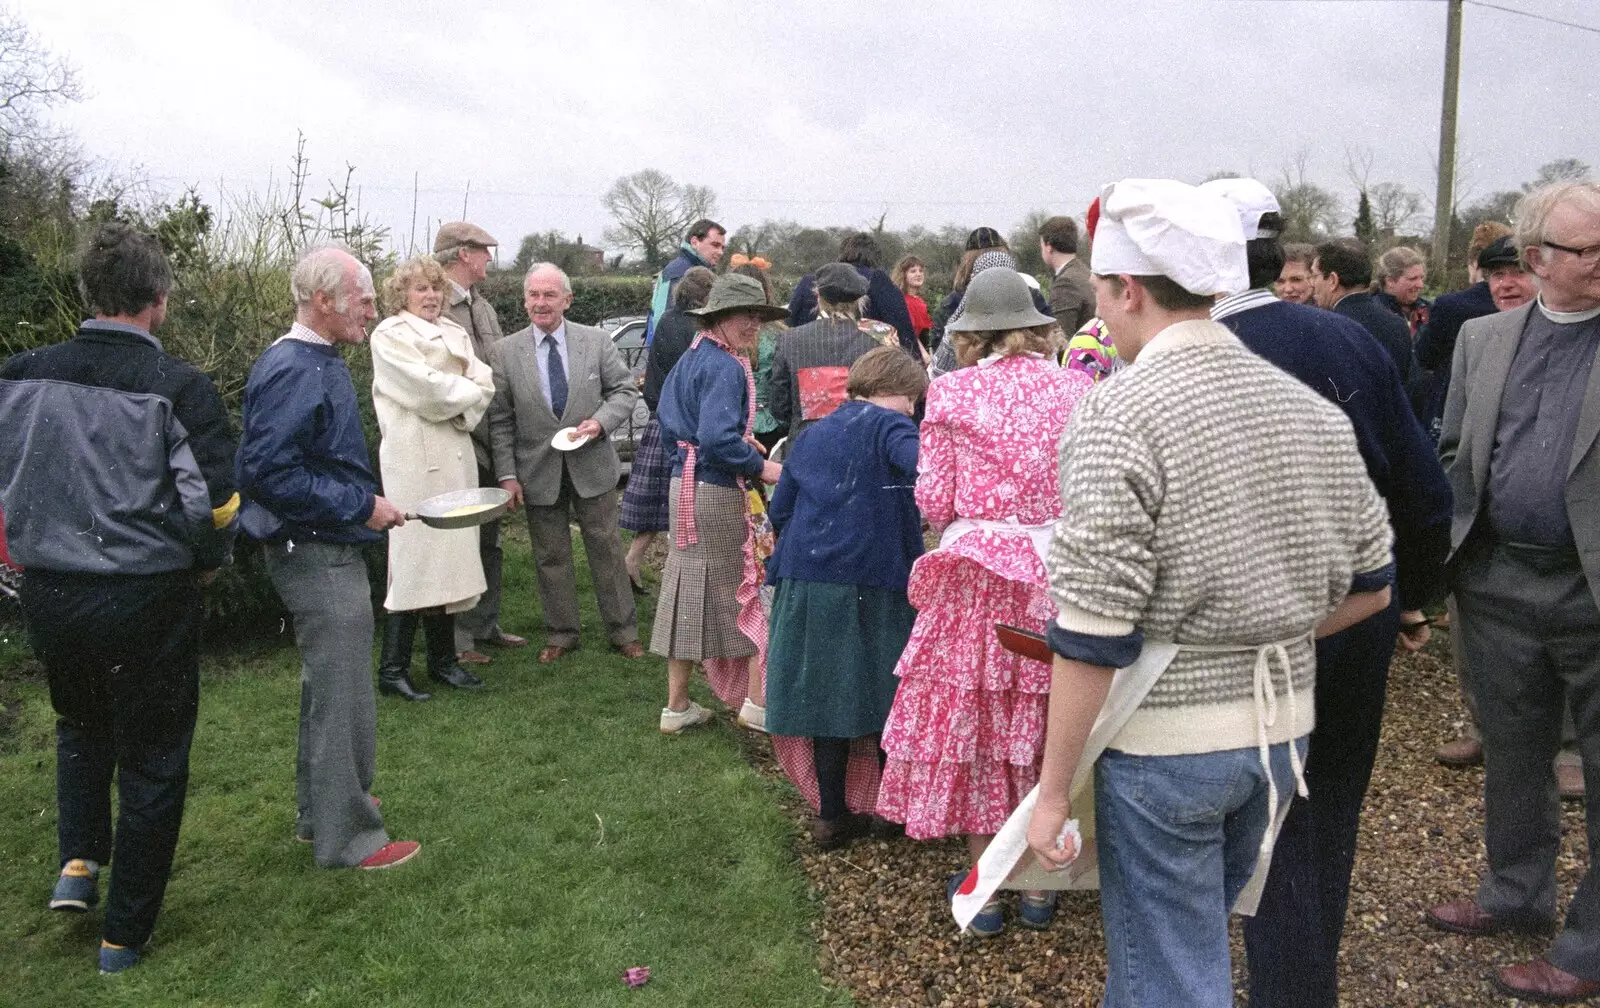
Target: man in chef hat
1293,940
1221,520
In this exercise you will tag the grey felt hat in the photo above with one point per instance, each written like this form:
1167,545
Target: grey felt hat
735,292
997,299
840,283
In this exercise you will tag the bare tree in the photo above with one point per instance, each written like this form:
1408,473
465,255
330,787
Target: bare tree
32,80
1394,207
653,212
1567,169
1309,211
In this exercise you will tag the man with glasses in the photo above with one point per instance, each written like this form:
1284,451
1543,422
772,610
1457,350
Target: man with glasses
1519,445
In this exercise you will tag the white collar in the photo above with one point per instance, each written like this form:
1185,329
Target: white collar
559,333
1072,257
1243,301
461,293
303,334
1189,332
1566,317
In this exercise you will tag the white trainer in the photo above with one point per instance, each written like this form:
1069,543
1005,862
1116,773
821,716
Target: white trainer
673,722
753,716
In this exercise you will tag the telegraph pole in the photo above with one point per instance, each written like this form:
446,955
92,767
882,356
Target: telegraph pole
1445,197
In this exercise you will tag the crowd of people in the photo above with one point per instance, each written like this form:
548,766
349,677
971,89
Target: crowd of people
1206,483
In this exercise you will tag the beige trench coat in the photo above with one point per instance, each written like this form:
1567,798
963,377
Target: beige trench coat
429,392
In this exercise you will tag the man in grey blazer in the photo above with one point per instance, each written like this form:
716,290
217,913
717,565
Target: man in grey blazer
1519,446
552,375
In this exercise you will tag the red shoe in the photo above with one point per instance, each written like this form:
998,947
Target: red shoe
395,852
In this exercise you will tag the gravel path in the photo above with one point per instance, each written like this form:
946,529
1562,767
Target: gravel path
886,934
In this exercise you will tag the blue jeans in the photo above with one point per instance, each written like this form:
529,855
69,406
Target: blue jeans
1178,838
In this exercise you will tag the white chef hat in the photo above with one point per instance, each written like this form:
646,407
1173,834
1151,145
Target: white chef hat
1158,227
1251,197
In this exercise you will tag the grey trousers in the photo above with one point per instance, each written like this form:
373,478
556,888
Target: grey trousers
482,621
551,532
324,587
1569,735
1530,631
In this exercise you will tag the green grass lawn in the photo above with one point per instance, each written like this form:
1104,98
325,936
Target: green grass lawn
564,840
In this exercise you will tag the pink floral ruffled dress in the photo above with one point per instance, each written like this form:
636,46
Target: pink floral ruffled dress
965,733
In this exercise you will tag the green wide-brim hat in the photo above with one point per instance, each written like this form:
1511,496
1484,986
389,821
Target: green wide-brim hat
735,292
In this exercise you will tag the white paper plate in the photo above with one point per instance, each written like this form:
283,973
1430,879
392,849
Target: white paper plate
566,439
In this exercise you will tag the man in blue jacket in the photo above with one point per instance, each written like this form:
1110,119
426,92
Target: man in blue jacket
1293,940
1340,277
703,247
310,496
116,478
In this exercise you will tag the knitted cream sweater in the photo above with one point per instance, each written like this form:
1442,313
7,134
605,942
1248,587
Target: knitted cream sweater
1211,498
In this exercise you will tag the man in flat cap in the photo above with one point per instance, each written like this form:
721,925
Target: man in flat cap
1204,555
463,250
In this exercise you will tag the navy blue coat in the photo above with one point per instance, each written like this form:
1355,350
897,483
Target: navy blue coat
1342,361
1389,329
845,509
303,468
705,402
1436,343
885,303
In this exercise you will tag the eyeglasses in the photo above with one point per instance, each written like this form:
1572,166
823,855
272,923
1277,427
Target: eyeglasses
1589,256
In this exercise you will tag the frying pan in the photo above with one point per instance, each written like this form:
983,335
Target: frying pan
434,512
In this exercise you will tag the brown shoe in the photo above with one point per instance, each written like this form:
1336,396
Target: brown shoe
1466,917
506,640
471,657
831,834
632,649
1569,780
1538,980
551,653
1463,752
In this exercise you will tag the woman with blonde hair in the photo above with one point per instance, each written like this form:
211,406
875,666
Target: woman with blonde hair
429,391
1402,273
966,730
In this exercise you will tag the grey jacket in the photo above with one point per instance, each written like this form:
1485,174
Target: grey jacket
476,315
1482,361
599,385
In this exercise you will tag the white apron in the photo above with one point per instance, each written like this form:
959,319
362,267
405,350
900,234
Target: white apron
1008,862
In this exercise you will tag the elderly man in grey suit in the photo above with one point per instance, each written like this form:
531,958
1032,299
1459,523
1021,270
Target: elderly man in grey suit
462,249
552,375
1519,445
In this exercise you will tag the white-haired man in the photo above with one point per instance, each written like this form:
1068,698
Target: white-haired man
1519,446
463,250
551,376
312,499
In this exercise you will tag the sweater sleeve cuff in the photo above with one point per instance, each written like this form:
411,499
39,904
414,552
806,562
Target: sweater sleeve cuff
1082,621
1371,581
1091,649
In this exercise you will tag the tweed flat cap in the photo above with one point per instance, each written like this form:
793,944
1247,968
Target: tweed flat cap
457,233
840,282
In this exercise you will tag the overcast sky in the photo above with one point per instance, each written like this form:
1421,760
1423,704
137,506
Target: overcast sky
824,111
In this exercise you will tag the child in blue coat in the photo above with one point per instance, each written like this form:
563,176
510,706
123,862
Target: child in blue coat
848,531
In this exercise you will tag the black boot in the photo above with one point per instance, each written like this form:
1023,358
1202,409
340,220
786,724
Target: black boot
440,631
394,667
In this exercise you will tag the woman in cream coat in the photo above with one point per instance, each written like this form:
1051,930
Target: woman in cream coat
429,391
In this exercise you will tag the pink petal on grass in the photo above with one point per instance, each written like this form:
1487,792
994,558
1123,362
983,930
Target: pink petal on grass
636,976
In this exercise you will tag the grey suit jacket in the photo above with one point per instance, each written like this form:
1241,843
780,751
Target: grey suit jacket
1471,412
521,425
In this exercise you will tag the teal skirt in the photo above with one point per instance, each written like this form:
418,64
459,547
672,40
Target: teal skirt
831,655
